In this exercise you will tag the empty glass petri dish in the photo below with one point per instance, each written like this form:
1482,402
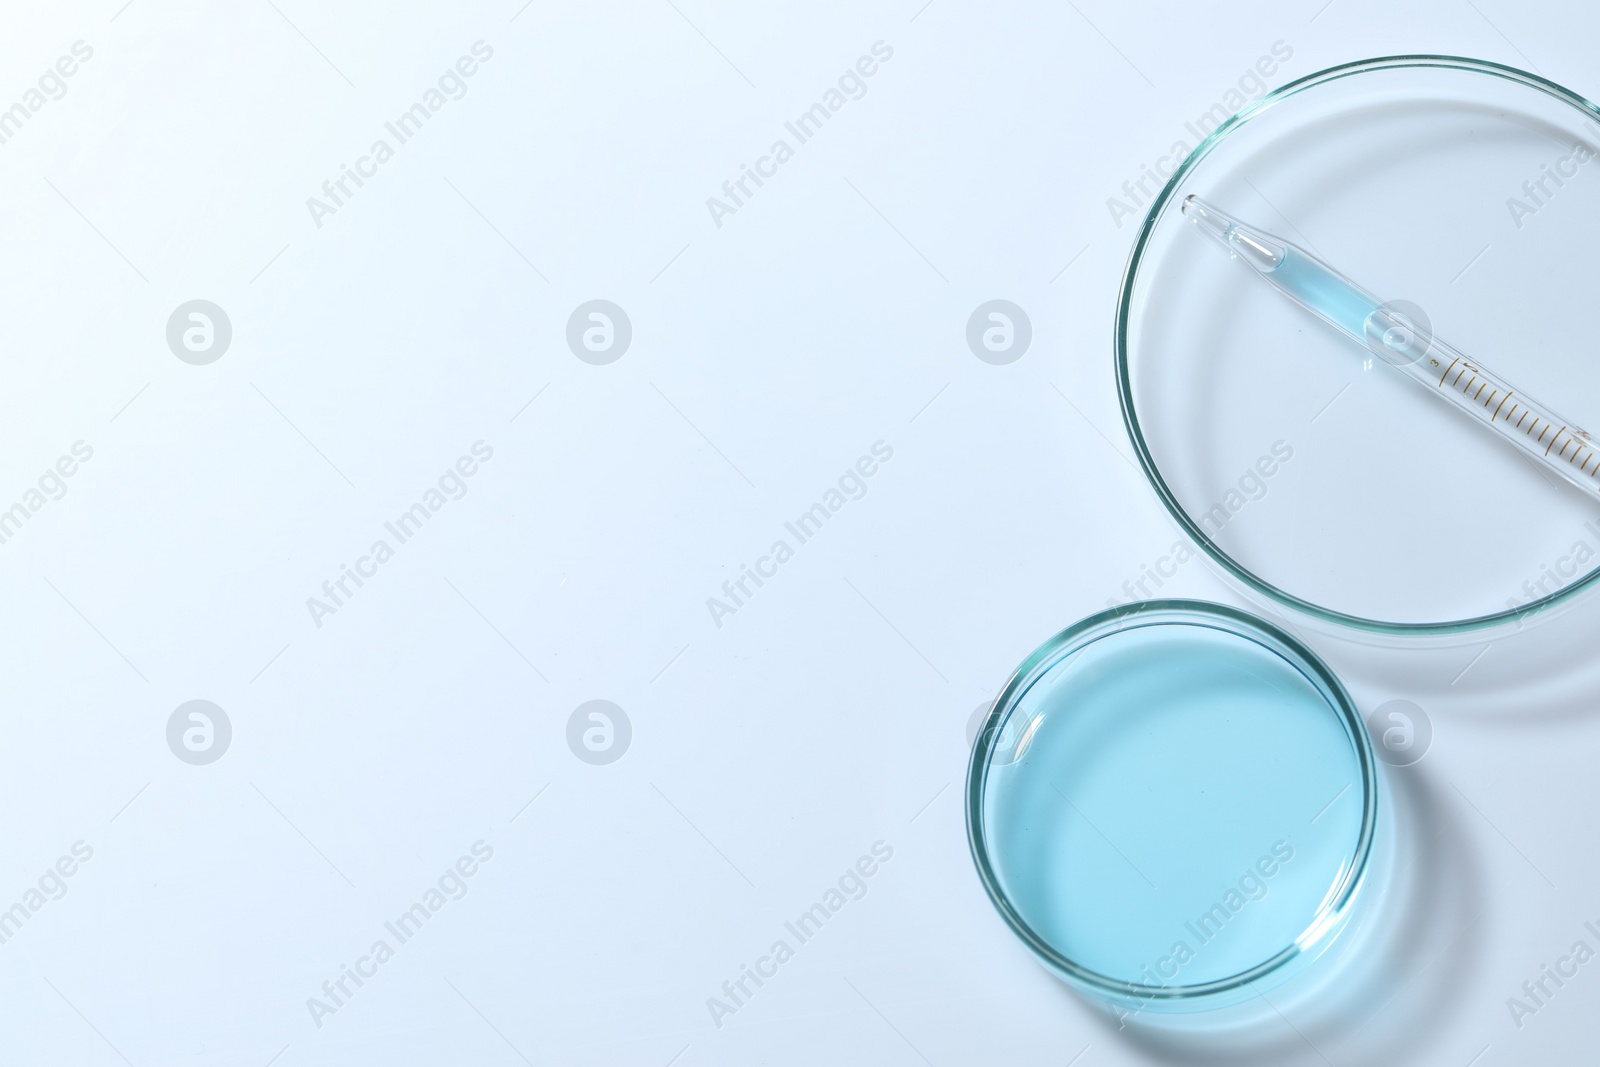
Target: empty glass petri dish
1173,805
1312,473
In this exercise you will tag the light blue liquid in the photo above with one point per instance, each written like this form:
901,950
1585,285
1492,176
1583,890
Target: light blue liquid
1167,816
1325,292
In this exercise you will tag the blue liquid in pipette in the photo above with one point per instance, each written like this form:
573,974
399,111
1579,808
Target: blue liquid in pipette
1399,334
1324,292
1184,804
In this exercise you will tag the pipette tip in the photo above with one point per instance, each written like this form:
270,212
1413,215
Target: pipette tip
1254,247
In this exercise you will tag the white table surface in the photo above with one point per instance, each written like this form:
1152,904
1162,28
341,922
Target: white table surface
827,313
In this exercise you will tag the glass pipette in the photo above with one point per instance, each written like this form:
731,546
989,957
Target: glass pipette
1401,339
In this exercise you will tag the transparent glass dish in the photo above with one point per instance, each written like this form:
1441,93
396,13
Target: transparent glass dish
1312,474
1173,804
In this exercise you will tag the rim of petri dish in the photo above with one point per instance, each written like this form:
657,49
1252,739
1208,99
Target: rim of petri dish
1327,919
1130,418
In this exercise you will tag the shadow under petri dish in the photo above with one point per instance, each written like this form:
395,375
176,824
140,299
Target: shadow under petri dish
1181,806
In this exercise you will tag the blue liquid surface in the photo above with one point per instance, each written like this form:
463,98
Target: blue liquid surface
1161,808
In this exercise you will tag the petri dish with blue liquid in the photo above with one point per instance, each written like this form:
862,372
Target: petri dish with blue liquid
1173,804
